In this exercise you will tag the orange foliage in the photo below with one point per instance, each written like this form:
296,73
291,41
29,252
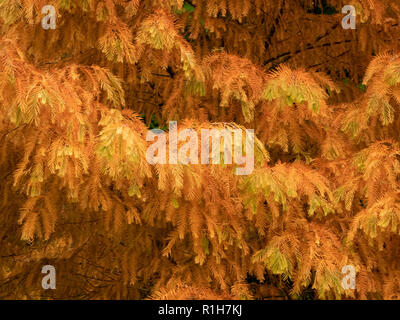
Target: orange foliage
77,192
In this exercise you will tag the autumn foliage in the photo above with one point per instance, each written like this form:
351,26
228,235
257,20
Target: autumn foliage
77,192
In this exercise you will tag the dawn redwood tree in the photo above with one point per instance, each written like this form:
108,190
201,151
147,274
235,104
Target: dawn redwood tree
77,192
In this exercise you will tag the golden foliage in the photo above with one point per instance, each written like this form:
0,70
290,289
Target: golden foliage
76,189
